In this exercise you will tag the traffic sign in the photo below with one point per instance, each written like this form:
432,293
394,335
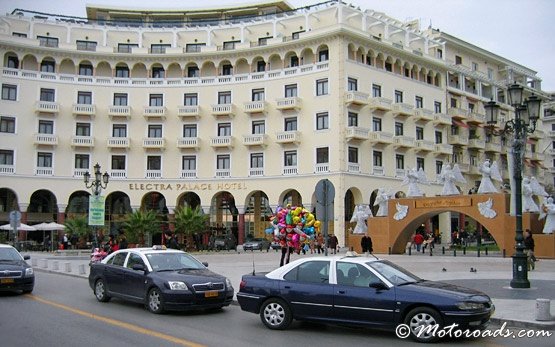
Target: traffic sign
15,219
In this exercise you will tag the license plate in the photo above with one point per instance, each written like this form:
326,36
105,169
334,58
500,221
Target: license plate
6,280
211,294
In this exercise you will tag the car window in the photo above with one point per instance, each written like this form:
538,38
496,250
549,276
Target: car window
393,273
173,261
118,259
134,259
9,254
310,271
350,274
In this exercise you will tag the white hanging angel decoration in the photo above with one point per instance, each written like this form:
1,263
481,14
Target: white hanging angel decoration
450,177
537,187
402,211
531,187
490,173
548,212
486,209
360,215
381,200
413,178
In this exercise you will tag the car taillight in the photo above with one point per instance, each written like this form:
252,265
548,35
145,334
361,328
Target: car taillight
243,284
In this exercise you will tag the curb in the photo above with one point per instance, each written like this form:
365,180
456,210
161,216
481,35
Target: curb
523,324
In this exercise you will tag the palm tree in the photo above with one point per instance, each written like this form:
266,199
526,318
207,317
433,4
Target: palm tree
140,223
79,225
189,220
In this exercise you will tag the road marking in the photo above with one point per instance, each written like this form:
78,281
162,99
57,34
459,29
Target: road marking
118,323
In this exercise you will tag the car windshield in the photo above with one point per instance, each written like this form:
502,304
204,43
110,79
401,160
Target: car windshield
394,274
173,261
9,254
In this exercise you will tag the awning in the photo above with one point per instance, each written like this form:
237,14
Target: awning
460,124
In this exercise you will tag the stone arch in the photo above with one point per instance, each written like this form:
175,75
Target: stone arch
156,201
242,66
258,64
275,62
118,205
351,51
139,70
225,68
398,67
157,70
43,206
29,62
224,213
190,199
360,55
46,63
380,61
370,57
257,214
103,69
67,66
8,202
78,203
307,57
323,53
208,69
291,59
174,71
11,60
86,63
290,196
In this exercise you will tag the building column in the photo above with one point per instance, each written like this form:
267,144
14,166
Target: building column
461,222
241,228
445,228
23,209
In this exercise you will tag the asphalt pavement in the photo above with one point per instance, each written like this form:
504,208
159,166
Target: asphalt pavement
492,275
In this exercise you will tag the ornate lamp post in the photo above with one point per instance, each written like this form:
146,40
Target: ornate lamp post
526,115
100,182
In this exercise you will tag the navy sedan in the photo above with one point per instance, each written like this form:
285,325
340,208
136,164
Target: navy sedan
361,291
162,279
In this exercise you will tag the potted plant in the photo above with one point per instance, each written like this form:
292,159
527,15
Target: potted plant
189,221
138,224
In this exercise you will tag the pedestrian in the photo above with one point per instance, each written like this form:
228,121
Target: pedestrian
46,243
123,242
529,248
418,240
171,242
333,243
320,244
65,241
286,251
366,244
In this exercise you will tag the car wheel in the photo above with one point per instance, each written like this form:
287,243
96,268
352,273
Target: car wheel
155,302
422,318
100,291
275,314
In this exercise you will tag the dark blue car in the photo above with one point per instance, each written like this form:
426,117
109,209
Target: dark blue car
361,291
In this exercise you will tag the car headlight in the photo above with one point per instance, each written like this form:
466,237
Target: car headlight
29,272
470,306
228,284
177,285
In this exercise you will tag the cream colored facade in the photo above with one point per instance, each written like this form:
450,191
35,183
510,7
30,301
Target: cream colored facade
283,100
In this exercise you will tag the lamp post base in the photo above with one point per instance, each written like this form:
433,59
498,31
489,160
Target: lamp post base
520,271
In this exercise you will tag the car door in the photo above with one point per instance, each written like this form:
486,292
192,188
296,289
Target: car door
307,289
114,273
134,281
356,301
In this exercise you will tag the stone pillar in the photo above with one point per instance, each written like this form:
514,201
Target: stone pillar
241,229
445,228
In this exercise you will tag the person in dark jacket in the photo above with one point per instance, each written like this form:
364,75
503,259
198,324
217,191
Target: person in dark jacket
366,244
529,247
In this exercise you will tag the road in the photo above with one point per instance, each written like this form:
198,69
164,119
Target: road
63,311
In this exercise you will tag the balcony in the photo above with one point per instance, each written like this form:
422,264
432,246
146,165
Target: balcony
188,174
380,137
292,103
223,110
477,118
118,174
357,133
457,112
255,140
492,147
7,169
288,137
424,146
255,107
119,111
402,110
356,98
118,142
461,140
221,141
82,141
154,143
442,119
537,134
322,167
46,140
443,148
256,171
464,166
378,171
44,171
153,174
47,107
154,111
188,142
290,170
476,143
400,173
353,167
223,173
402,141
79,172
421,114
84,110
380,104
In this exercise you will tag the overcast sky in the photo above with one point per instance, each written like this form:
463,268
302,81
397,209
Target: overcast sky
519,30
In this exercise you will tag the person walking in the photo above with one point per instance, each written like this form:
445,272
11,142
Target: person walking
320,244
418,240
366,244
529,248
333,243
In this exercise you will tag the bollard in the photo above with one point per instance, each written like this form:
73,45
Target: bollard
410,250
44,263
503,253
478,254
389,250
486,251
443,250
67,267
34,262
542,310
454,252
82,269
55,265
464,250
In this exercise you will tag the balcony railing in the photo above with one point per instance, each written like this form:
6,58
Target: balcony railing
357,133
153,174
288,137
223,173
255,107
492,147
47,107
222,110
293,103
255,140
476,143
356,98
188,142
457,112
442,119
118,174
118,142
82,141
290,170
403,141
475,117
423,114
378,171
458,140
379,103
221,141
154,142
7,169
188,173
380,137
119,111
322,167
402,110
257,171
84,109
154,111
46,139
79,172
443,148
425,146
188,111
353,167
44,171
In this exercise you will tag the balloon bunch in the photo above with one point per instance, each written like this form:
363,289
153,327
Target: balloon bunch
293,226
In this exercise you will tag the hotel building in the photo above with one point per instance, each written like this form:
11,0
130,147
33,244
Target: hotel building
239,110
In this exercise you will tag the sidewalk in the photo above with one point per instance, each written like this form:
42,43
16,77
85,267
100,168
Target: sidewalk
516,307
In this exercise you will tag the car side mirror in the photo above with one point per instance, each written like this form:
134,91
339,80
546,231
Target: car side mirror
26,257
138,267
205,263
378,286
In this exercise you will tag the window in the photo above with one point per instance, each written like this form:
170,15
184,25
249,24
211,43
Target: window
47,95
323,55
376,124
353,155
118,162
193,71
86,45
224,98
322,87
454,102
260,66
189,130
119,130
47,66
85,70
258,95
458,60
120,99
159,48
474,66
398,96
84,98
189,162
126,47
194,47
156,100
471,107
290,158
399,161
258,127
420,163
224,129
13,62
439,165
227,70
352,119
419,102
7,124
316,271
9,92
322,121
439,53
437,107
349,274
190,99
155,130
154,162
19,34
388,66
257,160
81,161
296,35
46,41
229,45
294,61
134,259
118,259
490,73
290,124
6,157
46,127
322,155
44,159
419,133
223,162
83,129
377,158
291,91
376,91
158,72
398,129
122,72
352,84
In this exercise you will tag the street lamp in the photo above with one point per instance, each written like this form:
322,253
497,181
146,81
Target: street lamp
100,182
526,115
